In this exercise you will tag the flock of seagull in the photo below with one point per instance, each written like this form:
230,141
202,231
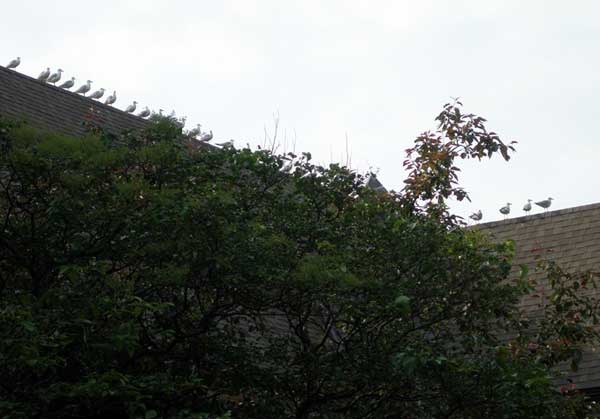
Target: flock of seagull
47,77
505,210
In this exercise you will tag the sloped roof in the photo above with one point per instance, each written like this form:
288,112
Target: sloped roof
375,184
571,238
51,108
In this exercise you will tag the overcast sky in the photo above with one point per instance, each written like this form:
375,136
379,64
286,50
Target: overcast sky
374,72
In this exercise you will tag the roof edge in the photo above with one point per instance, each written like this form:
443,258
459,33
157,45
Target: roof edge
72,94
540,216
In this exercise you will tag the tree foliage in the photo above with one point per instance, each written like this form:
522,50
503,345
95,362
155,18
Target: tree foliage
142,278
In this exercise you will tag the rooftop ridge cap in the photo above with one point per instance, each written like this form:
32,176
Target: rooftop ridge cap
81,98
549,215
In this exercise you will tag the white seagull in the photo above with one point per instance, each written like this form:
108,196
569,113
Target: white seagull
14,63
207,136
44,75
131,107
145,113
84,88
68,84
505,210
545,203
476,216
226,144
527,206
55,77
97,94
111,99
196,131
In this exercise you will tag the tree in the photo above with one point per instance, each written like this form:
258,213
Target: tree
143,278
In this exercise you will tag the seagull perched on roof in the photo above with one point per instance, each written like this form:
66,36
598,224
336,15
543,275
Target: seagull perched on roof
97,94
145,113
14,63
55,77
527,206
84,88
131,107
111,99
44,75
68,84
476,216
196,131
505,210
545,203
226,144
207,136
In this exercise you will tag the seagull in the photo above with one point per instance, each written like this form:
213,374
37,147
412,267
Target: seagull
207,136
55,77
68,84
527,206
97,94
145,113
545,203
14,63
226,144
505,210
44,75
84,88
131,107
111,99
196,131
476,216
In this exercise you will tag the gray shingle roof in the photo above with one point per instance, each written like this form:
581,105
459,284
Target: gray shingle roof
571,238
51,108
375,184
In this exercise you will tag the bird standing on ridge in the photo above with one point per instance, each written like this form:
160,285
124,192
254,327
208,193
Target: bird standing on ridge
505,210
476,216
97,94
111,99
44,75
545,203
145,113
55,77
84,88
68,84
226,144
527,206
131,107
207,136
196,131
14,63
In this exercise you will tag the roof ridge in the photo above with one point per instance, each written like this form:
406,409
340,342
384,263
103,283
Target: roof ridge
83,99
541,216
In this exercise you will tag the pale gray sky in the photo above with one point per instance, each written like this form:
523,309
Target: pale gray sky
378,71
